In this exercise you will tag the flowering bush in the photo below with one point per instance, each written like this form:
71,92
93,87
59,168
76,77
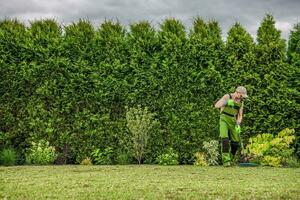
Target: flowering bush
41,153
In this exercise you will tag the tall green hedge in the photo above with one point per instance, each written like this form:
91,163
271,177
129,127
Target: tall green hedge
70,85
293,56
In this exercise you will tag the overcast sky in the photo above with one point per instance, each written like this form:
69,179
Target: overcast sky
248,12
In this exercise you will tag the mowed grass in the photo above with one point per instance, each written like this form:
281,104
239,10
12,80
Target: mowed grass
148,182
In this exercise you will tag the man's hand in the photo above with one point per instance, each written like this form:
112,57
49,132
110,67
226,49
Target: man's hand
230,102
238,128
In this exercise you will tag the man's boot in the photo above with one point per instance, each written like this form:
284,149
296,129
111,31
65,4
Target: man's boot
226,159
225,152
234,148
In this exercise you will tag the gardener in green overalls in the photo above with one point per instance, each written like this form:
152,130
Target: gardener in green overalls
231,106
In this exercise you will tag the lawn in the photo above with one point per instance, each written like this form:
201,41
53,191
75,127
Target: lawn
148,182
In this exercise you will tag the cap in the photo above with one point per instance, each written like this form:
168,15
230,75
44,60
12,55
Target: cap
242,90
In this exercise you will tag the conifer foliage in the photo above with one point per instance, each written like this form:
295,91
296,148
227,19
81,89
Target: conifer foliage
71,85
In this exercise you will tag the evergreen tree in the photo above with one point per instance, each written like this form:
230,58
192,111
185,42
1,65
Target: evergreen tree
240,56
45,41
111,59
293,57
143,80
78,41
241,69
143,48
274,108
204,84
172,76
13,36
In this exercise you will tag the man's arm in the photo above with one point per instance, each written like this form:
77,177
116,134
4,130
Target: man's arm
240,115
222,102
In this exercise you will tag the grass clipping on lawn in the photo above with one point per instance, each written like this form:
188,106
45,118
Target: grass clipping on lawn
148,182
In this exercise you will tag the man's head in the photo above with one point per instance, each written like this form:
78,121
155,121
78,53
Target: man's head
241,92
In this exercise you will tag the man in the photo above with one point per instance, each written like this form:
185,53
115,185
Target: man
231,106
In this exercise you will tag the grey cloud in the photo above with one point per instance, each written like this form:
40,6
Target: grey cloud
226,12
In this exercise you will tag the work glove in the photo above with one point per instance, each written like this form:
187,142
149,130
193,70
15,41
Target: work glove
238,128
230,102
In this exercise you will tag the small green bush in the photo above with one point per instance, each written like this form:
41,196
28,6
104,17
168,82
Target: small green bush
270,150
140,121
211,152
293,162
169,158
200,159
273,161
123,158
104,157
86,161
8,157
41,153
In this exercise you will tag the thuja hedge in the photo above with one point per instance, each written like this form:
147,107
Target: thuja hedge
70,84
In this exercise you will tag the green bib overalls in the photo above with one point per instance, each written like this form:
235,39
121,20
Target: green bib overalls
230,138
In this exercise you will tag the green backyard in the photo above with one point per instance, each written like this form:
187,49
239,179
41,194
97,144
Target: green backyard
148,182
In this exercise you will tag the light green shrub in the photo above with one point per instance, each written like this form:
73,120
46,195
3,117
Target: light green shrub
140,122
272,161
200,159
123,158
270,150
41,153
169,158
104,157
86,161
8,157
211,152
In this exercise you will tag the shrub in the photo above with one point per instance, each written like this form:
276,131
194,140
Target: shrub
292,162
104,157
211,152
259,145
86,161
169,158
272,161
8,157
123,158
270,150
140,121
41,153
200,159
